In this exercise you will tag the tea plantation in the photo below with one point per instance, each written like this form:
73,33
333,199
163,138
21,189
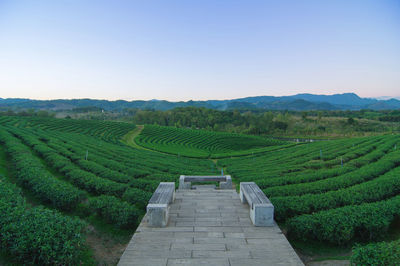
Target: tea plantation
201,143
70,178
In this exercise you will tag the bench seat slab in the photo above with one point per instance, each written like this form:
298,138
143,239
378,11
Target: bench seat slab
261,209
158,207
185,182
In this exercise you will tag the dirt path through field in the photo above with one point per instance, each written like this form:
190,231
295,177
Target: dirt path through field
129,138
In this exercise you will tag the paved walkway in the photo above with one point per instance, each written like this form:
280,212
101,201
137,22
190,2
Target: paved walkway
209,227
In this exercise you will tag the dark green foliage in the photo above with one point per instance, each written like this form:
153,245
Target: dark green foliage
37,235
91,183
323,180
80,178
33,175
368,221
383,253
115,211
334,191
102,171
390,118
143,184
285,162
138,197
376,189
199,143
321,199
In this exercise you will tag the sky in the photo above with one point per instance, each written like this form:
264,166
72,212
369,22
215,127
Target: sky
206,49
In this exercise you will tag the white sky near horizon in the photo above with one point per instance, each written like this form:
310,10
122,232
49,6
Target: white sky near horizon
200,50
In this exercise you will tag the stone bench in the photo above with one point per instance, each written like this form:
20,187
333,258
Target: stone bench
158,206
261,209
185,181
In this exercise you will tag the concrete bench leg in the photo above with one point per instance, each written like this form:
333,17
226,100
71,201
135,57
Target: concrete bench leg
183,184
262,214
157,215
242,197
227,184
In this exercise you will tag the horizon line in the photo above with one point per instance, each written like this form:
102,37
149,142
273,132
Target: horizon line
198,100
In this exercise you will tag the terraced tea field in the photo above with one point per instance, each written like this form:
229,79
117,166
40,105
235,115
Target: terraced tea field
80,171
336,192
79,174
201,143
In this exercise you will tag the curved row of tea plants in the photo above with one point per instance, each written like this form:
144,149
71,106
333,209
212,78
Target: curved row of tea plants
102,173
380,188
35,235
312,175
88,182
32,174
199,143
368,171
326,201
114,182
367,221
107,130
291,160
126,159
383,253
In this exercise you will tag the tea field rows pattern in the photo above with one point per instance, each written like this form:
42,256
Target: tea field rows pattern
96,176
337,191
200,143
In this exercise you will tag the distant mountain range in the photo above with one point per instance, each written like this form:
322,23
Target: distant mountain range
298,102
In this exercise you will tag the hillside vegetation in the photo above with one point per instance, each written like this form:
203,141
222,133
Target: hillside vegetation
77,170
81,175
336,192
201,143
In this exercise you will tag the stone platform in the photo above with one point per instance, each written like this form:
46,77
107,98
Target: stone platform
209,227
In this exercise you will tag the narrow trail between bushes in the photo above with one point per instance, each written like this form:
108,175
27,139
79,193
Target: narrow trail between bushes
129,138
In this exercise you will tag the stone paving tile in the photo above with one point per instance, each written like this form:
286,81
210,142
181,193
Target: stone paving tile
234,235
227,229
150,246
198,247
263,262
168,229
220,254
152,239
223,240
209,227
199,223
199,234
142,254
198,262
143,262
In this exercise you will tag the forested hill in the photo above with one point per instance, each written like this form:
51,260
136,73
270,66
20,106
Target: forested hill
299,102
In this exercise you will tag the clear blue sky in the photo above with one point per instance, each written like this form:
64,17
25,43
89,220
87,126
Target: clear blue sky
181,50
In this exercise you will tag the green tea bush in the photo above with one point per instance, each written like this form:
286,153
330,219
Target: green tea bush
368,221
199,143
35,235
383,253
115,211
377,189
363,174
138,197
143,184
33,175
